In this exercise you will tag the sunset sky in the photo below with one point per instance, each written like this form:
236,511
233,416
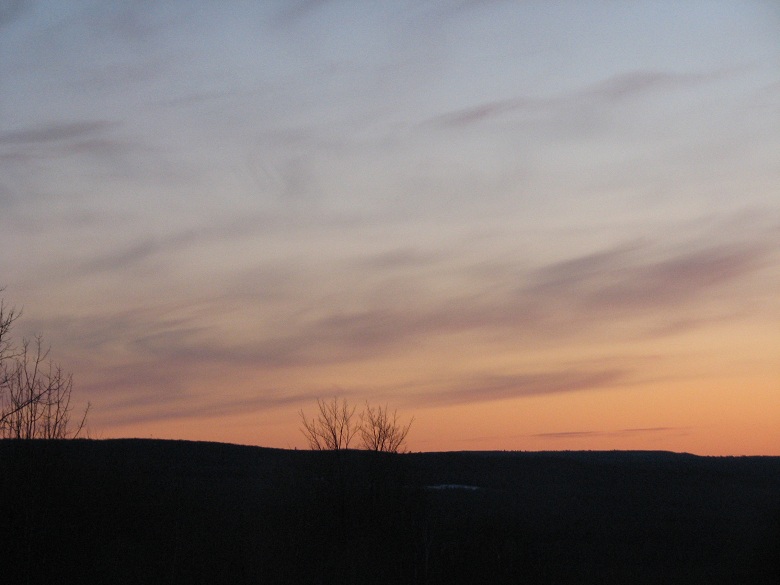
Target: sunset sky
531,225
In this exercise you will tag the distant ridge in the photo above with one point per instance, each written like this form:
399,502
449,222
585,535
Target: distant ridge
119,510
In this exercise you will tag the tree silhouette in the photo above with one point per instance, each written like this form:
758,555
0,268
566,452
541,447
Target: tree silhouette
7,318
336,426
35,393
333,429
381,430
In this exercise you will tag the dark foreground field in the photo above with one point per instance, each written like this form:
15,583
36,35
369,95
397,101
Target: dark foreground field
133,511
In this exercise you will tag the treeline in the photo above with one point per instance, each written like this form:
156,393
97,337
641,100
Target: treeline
303,517
178,512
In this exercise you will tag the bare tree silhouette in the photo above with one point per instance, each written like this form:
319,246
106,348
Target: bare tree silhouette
381,430
35,393
333,429
7,318
336,426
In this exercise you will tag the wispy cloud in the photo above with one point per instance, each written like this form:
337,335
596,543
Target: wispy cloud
37,155
486,111
150,406
609,91
632,83
55,132
122,257
657,287
624,280
294,11
626,283
621,433
632,284
10,10
491,387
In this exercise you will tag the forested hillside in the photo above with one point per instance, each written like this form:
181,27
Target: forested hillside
141,511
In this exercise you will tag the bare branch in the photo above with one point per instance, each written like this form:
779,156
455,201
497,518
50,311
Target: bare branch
333,429
7,318
382,431
35,394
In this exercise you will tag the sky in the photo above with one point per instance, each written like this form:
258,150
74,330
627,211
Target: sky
530,225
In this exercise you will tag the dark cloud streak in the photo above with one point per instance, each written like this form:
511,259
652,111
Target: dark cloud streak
216,231
615,282
614,89
489,388
624,284
56,132
653,288
11,10
622,433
